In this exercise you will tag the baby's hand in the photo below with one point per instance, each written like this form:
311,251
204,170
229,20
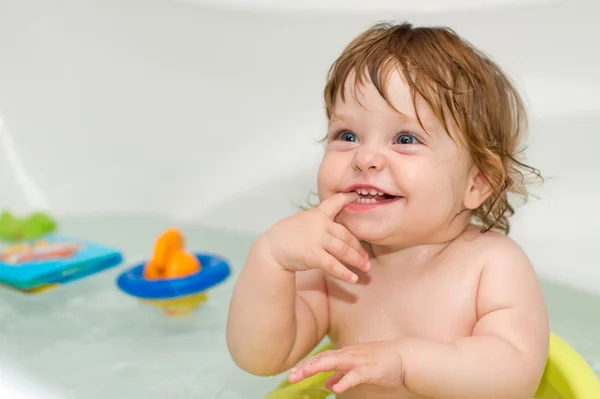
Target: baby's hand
376,363
313,240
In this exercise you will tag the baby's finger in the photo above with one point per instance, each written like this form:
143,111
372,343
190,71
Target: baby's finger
333,266
334,379
338,360
347,237
345,253
334,204
309,367
355,377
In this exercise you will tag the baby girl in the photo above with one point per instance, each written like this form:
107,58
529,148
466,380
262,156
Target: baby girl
405,265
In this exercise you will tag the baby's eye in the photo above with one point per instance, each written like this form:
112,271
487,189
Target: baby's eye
348,136
406,138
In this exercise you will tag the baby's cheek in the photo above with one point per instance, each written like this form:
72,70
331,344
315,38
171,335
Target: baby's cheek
426,180
437,194
326,179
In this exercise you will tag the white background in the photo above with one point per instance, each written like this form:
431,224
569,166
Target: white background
209,112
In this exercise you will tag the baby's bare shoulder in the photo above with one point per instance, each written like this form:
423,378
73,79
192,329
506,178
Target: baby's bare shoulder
505,269
507,277
492,249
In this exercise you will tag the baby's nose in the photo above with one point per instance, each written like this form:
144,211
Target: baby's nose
369,158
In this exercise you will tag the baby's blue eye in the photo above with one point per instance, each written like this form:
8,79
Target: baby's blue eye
406,138
348,136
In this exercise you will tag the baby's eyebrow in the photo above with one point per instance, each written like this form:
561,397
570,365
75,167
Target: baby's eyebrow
401,117
422,119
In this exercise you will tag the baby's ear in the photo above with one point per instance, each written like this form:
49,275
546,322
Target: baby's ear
478,189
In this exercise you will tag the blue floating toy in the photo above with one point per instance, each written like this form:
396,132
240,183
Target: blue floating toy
176,296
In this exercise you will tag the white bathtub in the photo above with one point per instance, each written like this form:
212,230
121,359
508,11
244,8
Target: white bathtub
128,116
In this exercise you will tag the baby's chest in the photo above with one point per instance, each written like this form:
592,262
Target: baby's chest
441,308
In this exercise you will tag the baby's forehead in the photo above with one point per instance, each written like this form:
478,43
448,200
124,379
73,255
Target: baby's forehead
391,97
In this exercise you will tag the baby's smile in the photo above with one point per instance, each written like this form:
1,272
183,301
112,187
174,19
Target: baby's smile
370,197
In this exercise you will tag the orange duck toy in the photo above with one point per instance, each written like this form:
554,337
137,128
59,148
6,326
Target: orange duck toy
170,260
174,280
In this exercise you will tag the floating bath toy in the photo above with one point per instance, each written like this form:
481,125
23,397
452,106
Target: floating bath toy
170,260
567,376
174,280
13,228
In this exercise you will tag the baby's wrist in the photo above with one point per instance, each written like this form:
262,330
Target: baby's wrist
265,254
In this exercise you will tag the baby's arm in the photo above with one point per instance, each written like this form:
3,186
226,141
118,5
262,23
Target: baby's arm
276,317
506,354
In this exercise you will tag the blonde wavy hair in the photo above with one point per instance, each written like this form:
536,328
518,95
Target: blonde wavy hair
462,86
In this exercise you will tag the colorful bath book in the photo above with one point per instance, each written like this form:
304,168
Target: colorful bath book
52,260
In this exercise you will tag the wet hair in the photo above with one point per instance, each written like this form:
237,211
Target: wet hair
462,86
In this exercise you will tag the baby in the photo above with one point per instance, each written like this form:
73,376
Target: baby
405,265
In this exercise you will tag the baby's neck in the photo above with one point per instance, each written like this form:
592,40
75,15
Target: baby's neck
418,253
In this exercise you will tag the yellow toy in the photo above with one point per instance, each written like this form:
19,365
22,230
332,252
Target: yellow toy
170,260
174,280
567,376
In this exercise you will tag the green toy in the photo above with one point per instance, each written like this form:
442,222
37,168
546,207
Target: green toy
13,228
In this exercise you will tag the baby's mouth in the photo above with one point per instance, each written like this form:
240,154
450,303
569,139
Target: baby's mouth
371,196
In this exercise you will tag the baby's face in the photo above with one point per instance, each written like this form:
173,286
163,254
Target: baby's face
424,174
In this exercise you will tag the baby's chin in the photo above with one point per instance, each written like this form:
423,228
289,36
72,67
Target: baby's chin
369,231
